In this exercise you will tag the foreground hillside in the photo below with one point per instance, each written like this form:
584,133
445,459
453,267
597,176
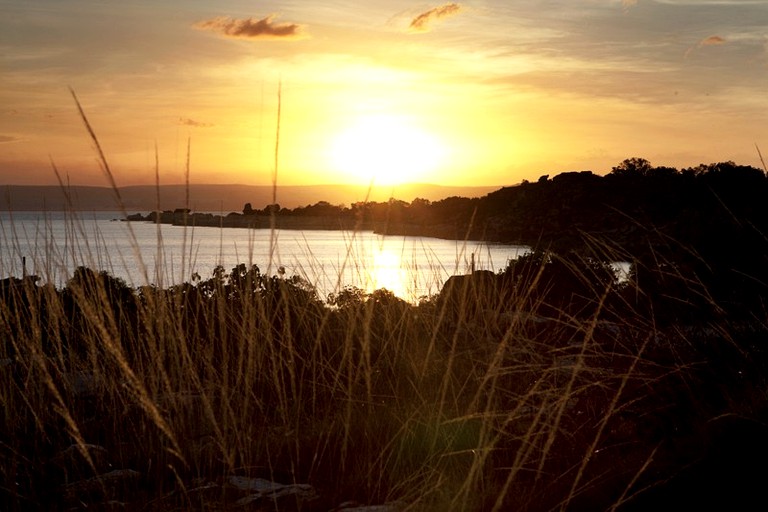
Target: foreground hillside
551,385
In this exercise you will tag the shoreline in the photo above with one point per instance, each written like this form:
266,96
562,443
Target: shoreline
184,217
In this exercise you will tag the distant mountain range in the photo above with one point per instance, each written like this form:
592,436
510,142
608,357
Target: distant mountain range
214,198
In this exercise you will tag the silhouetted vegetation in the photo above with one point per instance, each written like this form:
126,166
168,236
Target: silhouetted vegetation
552,384
638,207
555,383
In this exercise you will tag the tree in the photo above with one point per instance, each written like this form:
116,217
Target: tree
272,208
633,167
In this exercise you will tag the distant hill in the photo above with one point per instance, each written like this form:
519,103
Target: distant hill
215,198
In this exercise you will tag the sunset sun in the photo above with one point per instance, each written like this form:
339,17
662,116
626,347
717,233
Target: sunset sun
386,149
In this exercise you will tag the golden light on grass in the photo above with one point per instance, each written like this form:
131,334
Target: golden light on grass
388,149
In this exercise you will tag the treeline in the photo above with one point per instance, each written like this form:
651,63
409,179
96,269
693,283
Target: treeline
634,204
445,218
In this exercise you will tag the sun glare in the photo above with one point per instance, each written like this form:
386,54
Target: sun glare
386,149
387,272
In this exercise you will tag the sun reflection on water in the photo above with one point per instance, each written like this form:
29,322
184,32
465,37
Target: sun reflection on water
409,270
387,272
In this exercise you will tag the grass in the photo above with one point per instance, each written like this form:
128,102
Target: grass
556,387
437,406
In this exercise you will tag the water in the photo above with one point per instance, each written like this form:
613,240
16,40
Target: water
55,243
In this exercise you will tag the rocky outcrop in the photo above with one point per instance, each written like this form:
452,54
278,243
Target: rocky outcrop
465,293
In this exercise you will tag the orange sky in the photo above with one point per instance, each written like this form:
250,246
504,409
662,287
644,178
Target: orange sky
471,93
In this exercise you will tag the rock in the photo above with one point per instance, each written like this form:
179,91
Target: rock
260,488
469,293
108,486
353,506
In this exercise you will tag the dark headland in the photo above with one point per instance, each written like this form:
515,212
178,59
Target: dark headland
634,206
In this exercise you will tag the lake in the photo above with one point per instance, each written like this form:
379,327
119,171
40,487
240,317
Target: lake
55,243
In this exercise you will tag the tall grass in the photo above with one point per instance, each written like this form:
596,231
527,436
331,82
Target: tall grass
551,386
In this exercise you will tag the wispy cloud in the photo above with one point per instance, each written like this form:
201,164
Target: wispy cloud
707,41
8,138
252,28
423,22
185,121
712,40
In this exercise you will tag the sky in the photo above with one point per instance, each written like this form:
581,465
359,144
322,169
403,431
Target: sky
476,92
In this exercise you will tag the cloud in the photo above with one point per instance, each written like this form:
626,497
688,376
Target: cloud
708,41
628,3
422,22
185,121
8,138
252,28
712,40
